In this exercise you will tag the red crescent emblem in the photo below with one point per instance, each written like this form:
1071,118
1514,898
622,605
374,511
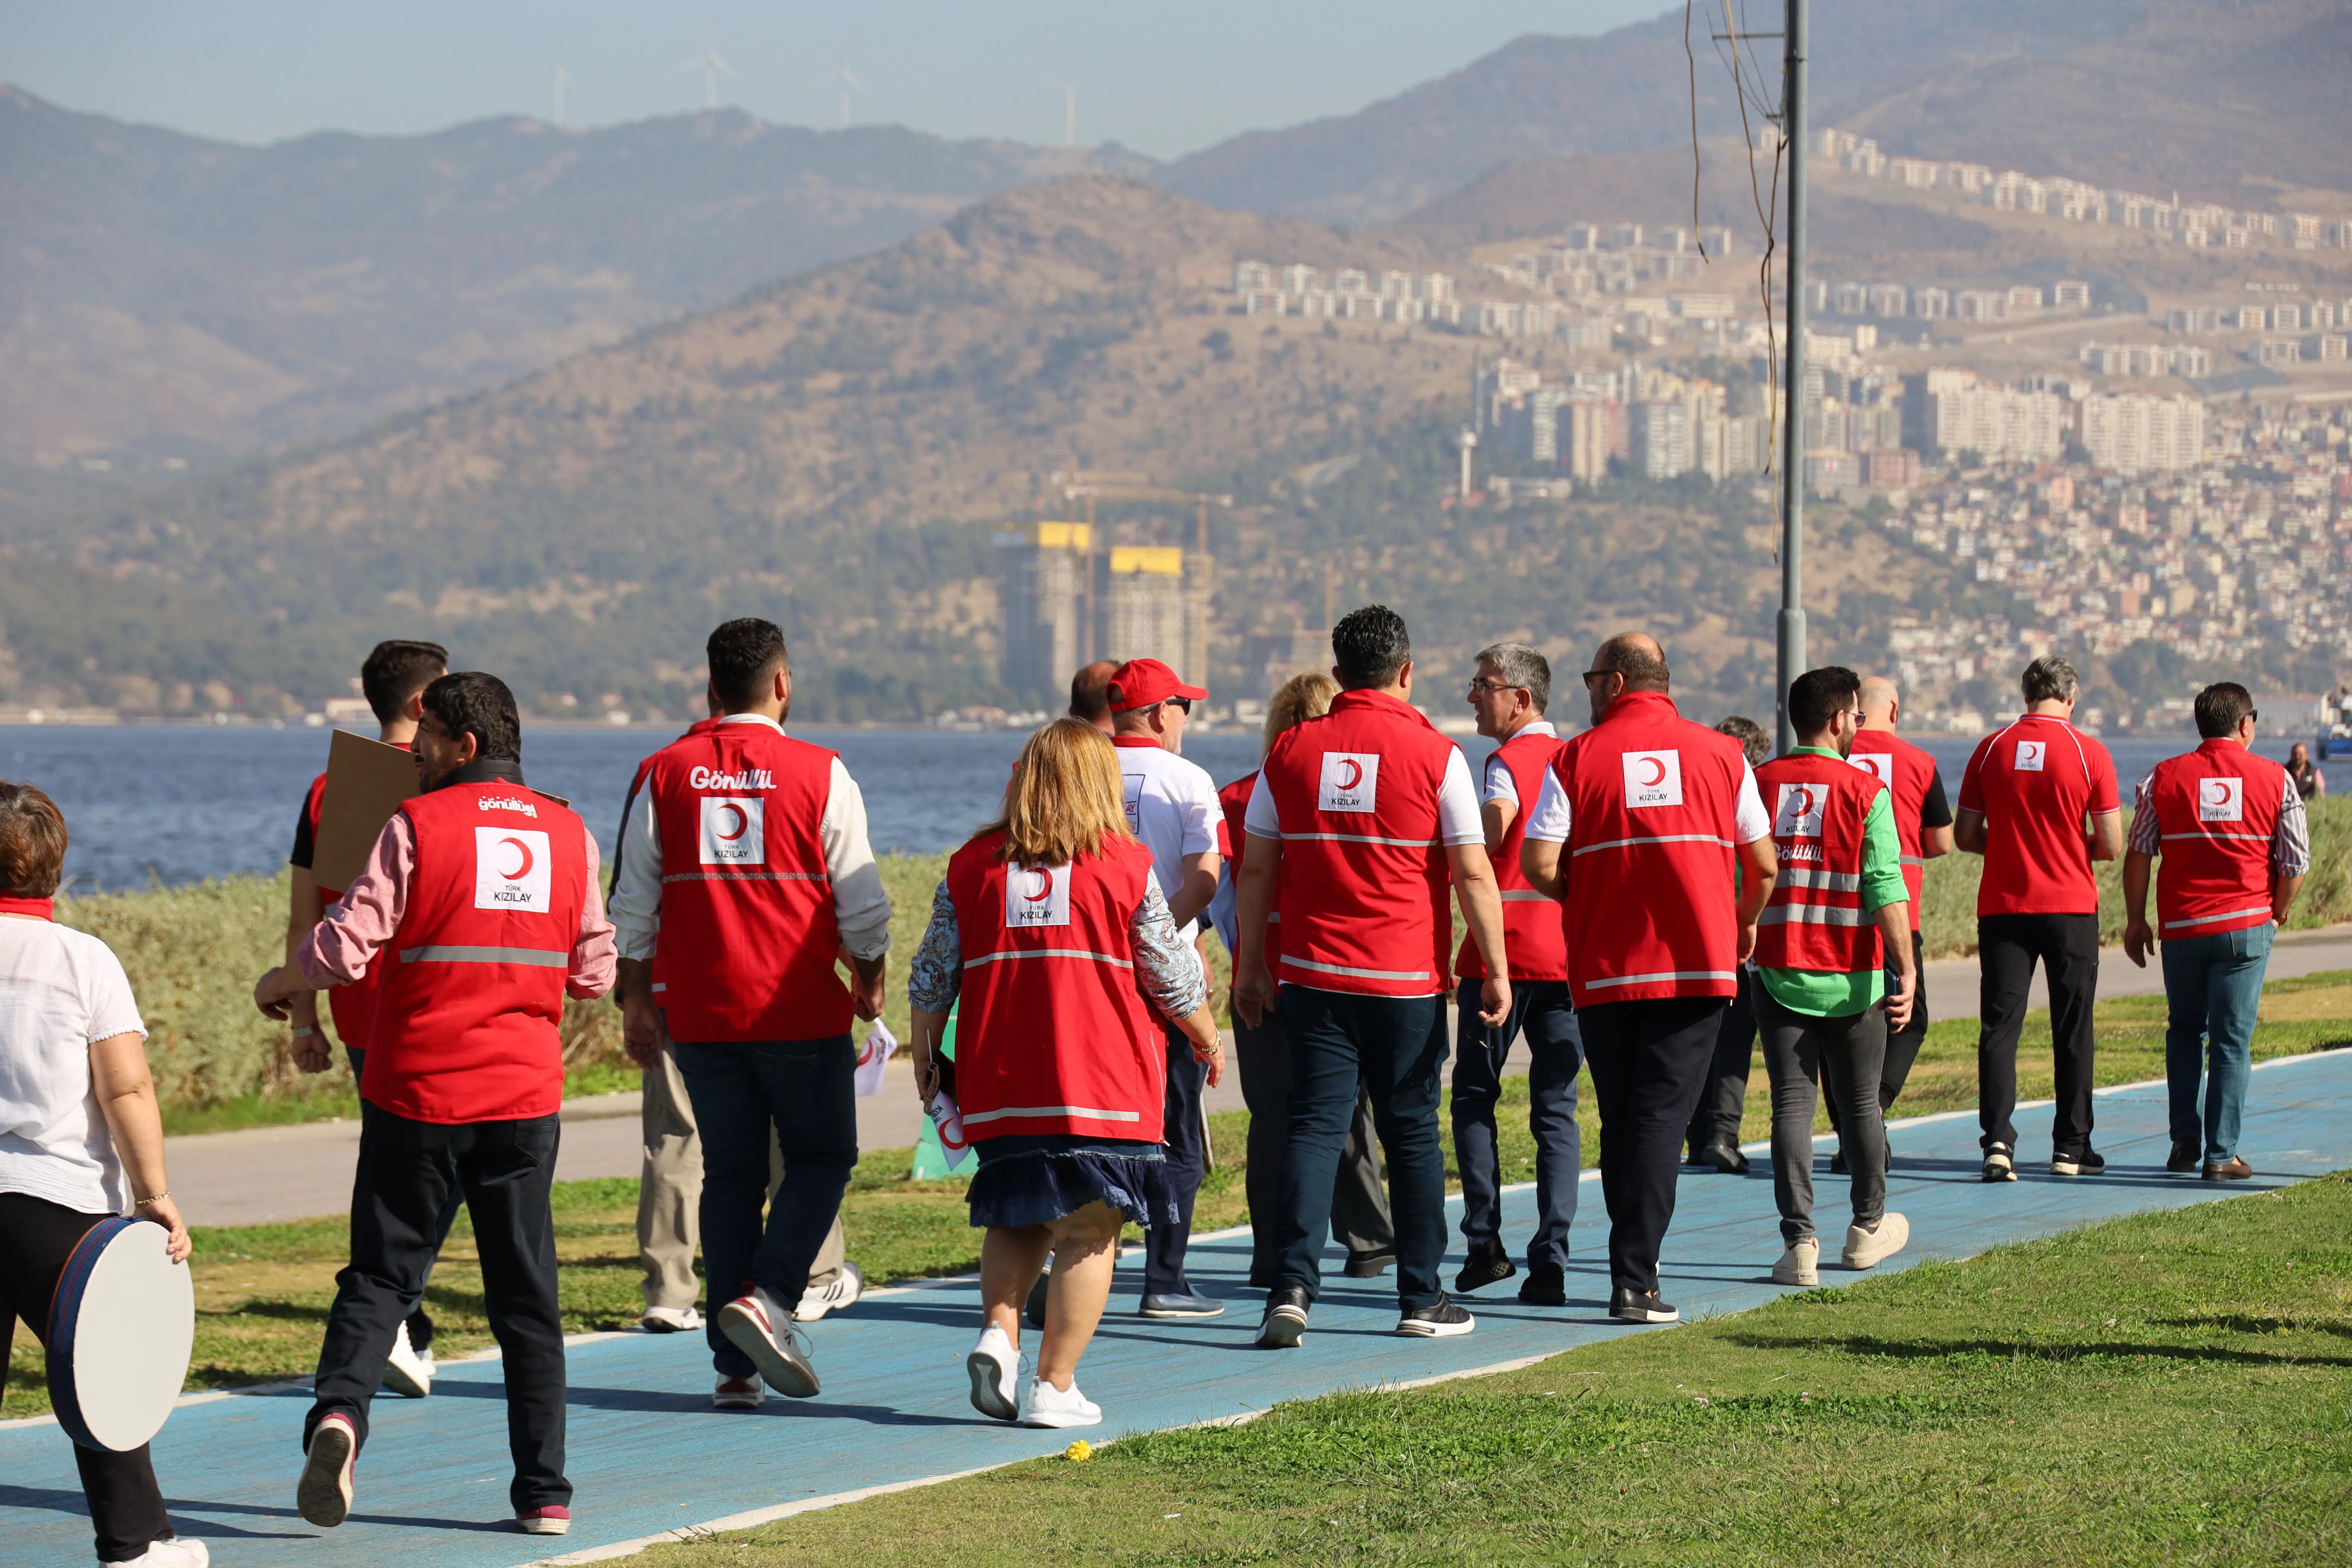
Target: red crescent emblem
1660,776
952,1145
1804,801
742,822
2220,796
1354,772
523,871
1043,893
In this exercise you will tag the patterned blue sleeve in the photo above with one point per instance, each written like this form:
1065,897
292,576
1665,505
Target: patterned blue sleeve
1165,961
937,973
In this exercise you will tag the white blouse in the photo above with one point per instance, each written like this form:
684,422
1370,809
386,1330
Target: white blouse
61,991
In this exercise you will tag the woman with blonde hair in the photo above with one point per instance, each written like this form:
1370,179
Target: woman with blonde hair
1359,1200
1053,933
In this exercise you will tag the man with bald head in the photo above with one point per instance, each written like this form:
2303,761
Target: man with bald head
1640,823
1090,694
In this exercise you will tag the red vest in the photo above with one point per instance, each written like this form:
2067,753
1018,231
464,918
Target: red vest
1653,800
1235,799
1052,1035
1815,920
1905,770
1533,936
352,1006
2216,809
466,1027
1364,888
747,944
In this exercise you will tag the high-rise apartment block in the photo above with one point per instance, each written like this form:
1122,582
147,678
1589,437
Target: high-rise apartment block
2135,432
1948,409
1142,602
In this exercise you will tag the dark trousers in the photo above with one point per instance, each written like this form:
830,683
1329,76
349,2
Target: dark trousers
1723,1100
1540,1009
1649,1062
1394,1046
1847,1055
1359,1202
1902,1045
806,1091
420,1322
1187,1138
407,1172
2068,949
36,1238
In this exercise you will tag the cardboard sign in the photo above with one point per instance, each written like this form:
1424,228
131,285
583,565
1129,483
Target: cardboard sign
367,781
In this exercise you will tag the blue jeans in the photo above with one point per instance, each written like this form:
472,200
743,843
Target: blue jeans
1540,1009
2212,986
1395,1047
807,1090
1188,1161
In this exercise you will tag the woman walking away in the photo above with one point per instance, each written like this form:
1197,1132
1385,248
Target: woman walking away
80,1139
1053,929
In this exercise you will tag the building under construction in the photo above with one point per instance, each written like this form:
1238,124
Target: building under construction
1067,599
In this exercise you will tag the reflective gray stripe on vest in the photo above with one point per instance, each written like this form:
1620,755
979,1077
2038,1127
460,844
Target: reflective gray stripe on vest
973,1117
1047,952
529,957
1358,973
2215,919
747,877
2247,837
1827,881
1814,915
1913,861
1524,896
1364,838
1661,838
1662,975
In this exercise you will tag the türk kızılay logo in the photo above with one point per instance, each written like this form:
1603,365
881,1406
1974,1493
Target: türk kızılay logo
2030,755
513,870
1351,780
1798,812
1654,778
1036,898
1879,766
734,830
2222,800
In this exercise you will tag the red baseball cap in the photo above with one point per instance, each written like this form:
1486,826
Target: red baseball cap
1147,683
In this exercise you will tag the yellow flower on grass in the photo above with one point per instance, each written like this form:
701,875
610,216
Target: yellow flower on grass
1079,1452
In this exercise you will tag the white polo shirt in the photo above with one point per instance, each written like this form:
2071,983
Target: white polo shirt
1172,806
1501,783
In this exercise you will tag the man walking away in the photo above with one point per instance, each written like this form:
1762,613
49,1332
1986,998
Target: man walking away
2235,842
745,873
1365,815
1636,831
1713,1134
2028,792
479,907
1923,825
1509,694
1172,807
1836,920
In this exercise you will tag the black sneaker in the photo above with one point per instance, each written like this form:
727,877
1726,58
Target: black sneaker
1284,1324
2187,1154
1642,1307
2089,1162
1371,1265
1545,1285
1442,1321
1999,1164
1725,1157
1487,1264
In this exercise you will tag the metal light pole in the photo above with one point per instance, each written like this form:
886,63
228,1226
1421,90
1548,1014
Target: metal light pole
1792,422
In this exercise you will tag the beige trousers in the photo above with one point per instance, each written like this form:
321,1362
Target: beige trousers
669,1193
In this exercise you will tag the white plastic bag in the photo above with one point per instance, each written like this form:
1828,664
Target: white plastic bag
872,1056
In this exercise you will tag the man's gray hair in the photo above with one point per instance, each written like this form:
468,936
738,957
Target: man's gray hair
2050,679
1523,667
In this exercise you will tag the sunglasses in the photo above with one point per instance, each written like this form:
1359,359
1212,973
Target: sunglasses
1183,702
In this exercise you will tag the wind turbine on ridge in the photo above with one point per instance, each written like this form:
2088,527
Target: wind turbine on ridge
708,63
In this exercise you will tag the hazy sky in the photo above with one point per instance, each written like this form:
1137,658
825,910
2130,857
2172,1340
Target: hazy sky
1163,78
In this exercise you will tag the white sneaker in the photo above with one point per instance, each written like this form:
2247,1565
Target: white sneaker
323,1496
1865,1248
994,1368
1801,1264
1045,1406
846,1287
172,1552
409,1372
737,1394
757,1324
670,1320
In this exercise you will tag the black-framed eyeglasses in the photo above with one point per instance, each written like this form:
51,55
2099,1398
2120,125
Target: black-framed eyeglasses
1482,684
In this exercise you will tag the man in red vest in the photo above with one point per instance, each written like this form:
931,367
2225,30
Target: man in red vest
2235,843
392,678
1636,831
1509,694
2038,801
745,873
479,913
1823,944
1366,814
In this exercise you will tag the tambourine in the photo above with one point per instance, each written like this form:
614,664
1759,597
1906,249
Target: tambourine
122,1328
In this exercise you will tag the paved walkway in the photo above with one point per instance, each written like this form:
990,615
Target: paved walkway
649,1455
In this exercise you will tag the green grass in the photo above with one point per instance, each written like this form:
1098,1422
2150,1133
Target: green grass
2165,1389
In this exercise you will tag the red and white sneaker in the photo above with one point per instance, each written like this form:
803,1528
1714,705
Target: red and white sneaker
737,1394
759,1325
553,1520
323,1495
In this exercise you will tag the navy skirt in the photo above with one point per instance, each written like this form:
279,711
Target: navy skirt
1036,1178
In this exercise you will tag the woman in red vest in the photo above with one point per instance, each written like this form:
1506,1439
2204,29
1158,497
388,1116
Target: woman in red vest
1053,933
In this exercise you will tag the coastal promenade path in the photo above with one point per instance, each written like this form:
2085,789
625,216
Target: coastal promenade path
649,1455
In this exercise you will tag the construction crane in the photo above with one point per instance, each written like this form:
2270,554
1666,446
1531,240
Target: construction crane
1091,485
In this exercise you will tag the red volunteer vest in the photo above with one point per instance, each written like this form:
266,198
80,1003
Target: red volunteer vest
747,944
1364,890
353,1007
466,1024
2216,810
1235,799
1905,770
1815,920
1534,938
1052,1035
1653,800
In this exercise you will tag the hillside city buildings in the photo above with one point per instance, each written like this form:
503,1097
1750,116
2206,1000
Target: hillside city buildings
1070,597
